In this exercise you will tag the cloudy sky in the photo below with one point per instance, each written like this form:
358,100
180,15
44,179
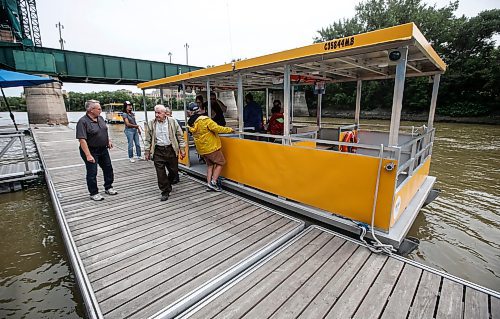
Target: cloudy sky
216,31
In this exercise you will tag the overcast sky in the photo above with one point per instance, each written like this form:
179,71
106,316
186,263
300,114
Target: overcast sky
216,31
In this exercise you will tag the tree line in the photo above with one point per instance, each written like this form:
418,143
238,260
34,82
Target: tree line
470,85
75,101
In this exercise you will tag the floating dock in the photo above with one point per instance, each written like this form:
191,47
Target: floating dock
206,254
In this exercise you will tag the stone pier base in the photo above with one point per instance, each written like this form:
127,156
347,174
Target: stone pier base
45,104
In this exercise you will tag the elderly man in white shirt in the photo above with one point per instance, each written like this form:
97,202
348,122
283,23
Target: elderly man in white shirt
164,142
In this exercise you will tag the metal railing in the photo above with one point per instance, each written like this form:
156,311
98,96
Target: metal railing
13,136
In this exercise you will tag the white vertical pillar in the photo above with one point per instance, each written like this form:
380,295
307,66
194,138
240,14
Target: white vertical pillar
240,102
144,104
358,103
286,103
209,105
293,98
318,110
432,111
267,105
185,106
397,100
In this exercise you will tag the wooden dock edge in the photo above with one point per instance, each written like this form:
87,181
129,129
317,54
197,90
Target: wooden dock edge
89,299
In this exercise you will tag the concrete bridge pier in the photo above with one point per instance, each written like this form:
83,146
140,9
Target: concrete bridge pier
45,104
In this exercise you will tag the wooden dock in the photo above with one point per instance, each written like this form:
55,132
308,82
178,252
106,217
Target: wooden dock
321,274
206,254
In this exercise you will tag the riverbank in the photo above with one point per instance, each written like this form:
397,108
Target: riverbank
378,114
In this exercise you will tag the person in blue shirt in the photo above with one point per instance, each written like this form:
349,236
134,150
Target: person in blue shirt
252,115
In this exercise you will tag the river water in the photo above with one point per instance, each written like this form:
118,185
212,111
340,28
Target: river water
459,232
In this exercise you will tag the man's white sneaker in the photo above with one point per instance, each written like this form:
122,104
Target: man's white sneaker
111,191
97,197
132,160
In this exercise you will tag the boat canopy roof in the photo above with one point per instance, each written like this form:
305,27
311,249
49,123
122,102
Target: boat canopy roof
365,56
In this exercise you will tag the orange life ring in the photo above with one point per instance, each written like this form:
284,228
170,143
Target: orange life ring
349,137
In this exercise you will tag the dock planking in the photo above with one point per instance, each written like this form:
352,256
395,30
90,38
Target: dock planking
216,255
138,256
321,274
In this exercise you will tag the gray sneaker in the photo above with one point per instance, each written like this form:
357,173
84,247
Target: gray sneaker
97,197
111,191
213,185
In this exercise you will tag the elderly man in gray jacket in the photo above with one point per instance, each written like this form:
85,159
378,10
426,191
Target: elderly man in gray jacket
164,142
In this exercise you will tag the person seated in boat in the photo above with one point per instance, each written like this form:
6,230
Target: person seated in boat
252,115
218,109
277,121
206,139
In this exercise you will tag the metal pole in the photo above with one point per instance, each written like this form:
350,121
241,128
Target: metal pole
185,107
286,103
61,41
240,103
170,57
293,98
267,105
209,105
397,100
435,89
187,47
10,111
145,106
358,103
161,96
318,110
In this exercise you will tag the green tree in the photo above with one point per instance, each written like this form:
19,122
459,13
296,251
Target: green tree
469,86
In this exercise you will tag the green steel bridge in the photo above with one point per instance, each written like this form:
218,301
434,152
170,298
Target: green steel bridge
81,67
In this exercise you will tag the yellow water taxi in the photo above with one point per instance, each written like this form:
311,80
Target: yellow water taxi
360,178
113,112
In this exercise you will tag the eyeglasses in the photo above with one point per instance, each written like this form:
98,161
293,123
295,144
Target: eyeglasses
198,102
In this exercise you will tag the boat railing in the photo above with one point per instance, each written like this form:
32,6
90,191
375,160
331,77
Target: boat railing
416,150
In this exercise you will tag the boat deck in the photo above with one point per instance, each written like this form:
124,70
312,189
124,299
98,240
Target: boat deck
206,254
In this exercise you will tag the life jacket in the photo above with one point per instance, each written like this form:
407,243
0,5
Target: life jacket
349,137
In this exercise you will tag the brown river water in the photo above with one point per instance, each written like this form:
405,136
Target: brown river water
459,232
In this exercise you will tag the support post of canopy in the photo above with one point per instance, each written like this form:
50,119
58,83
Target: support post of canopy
240,103
161,96
292,99
185,106
318,110
209,105
397,100
267,105
432,111
145,106
286,104
358,103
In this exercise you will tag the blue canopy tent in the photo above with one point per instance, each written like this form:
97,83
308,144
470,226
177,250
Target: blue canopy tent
12,79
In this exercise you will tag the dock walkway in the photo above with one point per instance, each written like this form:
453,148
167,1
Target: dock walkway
207,254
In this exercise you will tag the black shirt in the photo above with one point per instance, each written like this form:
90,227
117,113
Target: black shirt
95,132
